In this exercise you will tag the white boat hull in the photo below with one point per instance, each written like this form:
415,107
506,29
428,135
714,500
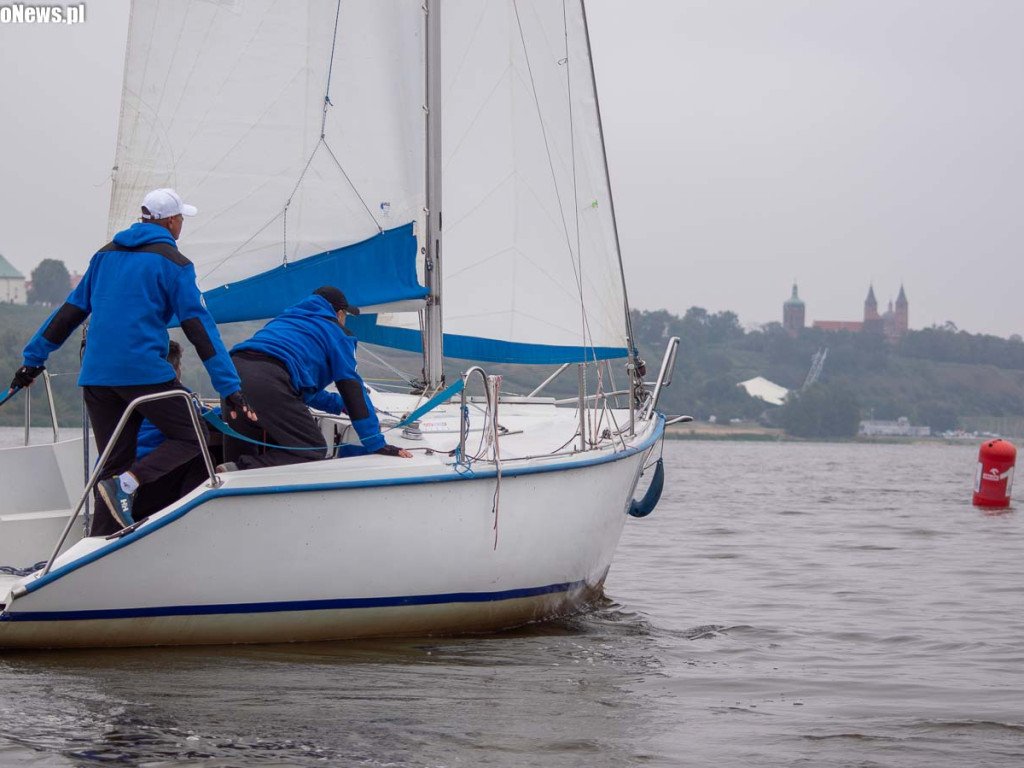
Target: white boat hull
362,547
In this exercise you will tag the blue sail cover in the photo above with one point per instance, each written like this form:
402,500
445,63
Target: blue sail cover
380,270
375,271
367,329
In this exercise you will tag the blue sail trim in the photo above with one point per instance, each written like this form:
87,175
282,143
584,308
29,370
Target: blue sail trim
365,327
375,271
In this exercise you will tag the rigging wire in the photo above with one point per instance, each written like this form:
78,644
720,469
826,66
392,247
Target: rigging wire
353,186
288,202
584,320
321,141
575,185
547,150
383,362
587,333
575,259
631,341
330,71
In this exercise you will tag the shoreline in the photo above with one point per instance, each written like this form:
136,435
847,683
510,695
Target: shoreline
756,433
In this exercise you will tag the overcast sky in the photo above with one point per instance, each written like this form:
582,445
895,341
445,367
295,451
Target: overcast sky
751,142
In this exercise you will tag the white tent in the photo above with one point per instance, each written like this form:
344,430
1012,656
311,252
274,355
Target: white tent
761,388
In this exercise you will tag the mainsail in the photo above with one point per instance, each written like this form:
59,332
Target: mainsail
297,127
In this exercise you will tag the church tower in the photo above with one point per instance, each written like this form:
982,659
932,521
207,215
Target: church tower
872,320
902,313
793,314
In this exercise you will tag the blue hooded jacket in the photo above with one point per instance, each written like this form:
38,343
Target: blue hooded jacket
317,350
135,287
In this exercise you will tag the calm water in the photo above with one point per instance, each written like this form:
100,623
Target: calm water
786,605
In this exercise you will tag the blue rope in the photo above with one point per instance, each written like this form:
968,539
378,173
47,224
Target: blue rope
10,393
10,570
219,424
432,403
460,459
466,470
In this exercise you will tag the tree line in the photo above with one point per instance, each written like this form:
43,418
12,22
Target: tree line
933,376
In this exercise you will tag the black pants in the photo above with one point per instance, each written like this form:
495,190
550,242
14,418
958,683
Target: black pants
284,418
167,489
106,405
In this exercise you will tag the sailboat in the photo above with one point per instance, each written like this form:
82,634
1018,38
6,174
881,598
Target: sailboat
444,164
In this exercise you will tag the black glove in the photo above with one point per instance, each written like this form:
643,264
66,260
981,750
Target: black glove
388,450
239,406
26,375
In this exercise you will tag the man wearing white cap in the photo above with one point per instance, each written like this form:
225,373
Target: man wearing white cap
133,289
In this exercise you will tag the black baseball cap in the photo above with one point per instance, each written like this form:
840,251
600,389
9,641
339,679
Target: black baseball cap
336,299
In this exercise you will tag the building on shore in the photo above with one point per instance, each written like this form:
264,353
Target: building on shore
793,312
899,428
893,324
896,321
768,391
12,284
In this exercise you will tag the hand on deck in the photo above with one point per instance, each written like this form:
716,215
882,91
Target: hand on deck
394,450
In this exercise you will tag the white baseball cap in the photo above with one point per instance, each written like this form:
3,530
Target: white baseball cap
164,203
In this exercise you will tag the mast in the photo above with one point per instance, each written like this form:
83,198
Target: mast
433,348
608,181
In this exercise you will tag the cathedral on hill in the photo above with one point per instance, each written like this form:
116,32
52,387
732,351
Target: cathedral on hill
893,324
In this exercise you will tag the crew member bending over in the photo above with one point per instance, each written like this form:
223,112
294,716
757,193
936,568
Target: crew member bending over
284,368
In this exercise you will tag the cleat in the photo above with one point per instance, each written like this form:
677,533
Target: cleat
118,502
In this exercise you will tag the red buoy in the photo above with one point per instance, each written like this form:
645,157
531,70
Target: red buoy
994,479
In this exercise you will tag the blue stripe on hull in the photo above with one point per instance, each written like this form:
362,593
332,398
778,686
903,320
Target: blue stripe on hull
296,605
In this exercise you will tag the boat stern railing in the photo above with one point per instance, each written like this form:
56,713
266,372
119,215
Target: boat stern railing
193,402
668,366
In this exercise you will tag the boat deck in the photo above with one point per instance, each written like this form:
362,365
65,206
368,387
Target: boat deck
534,435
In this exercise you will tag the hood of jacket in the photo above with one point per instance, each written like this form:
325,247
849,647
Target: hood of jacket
313,306
143,233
